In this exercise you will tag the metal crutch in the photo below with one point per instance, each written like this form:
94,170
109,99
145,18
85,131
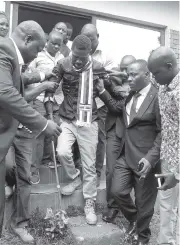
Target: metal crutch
57,177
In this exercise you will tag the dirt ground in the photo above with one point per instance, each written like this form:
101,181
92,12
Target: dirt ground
9,239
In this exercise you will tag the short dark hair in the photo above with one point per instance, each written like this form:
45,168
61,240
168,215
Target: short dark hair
81,44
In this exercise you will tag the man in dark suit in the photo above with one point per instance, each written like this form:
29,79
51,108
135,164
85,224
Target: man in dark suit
115,130
140,152
27,40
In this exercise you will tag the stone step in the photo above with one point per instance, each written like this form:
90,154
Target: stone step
47,175
46,196
100,234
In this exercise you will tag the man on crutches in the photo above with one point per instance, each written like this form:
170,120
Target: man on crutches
78,113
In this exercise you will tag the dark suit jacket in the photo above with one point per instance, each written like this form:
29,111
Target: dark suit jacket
142,137
13,107
115,113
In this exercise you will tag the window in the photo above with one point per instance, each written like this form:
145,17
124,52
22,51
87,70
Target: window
121,39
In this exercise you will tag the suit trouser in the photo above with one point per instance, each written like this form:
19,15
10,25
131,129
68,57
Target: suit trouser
2,193
112,152
169,201
87,138
10,167
23,148
47,150
101,147
124,179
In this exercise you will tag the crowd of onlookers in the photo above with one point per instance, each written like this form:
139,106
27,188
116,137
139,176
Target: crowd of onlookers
71,94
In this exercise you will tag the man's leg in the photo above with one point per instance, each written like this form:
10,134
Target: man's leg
38,145
122,184
64,153
47,152
2,193
101,147
168,212
37,155
23,145
112,151
87,138
145,198
10,172
168,215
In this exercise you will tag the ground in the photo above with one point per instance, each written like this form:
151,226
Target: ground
9,239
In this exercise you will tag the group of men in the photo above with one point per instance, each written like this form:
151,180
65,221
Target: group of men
102,108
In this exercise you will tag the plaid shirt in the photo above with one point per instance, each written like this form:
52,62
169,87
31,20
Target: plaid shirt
169,109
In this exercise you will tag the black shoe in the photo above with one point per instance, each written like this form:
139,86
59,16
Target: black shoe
131,229
110,215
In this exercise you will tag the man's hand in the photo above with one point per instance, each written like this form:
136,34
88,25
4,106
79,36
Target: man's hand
114,73
146,168
52,129
50,86
100,85
169,181
49,74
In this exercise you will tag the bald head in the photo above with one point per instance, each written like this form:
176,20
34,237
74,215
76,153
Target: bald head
89,28
61,27
127,60
91,32
162,63
30,39
31,28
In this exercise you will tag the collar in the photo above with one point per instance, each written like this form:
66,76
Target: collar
97,50
174,83
48,54
145,90
20,58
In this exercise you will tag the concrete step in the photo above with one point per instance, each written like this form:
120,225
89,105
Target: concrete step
47,175
46,196
100,234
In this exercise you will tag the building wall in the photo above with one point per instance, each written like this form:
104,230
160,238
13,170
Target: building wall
159,12
174,42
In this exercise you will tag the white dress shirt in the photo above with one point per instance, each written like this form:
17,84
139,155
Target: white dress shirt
20,58
107,62
44,61
143,93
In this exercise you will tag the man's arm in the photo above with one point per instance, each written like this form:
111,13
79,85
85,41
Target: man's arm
32,92
115,106
153,154
49,100
30,77
13,102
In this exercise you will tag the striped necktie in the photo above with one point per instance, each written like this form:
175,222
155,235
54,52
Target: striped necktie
133,107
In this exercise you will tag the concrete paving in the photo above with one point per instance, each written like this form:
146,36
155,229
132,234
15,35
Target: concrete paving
100,234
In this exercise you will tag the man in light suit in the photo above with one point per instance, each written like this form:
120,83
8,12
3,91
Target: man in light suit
140,150
27,40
